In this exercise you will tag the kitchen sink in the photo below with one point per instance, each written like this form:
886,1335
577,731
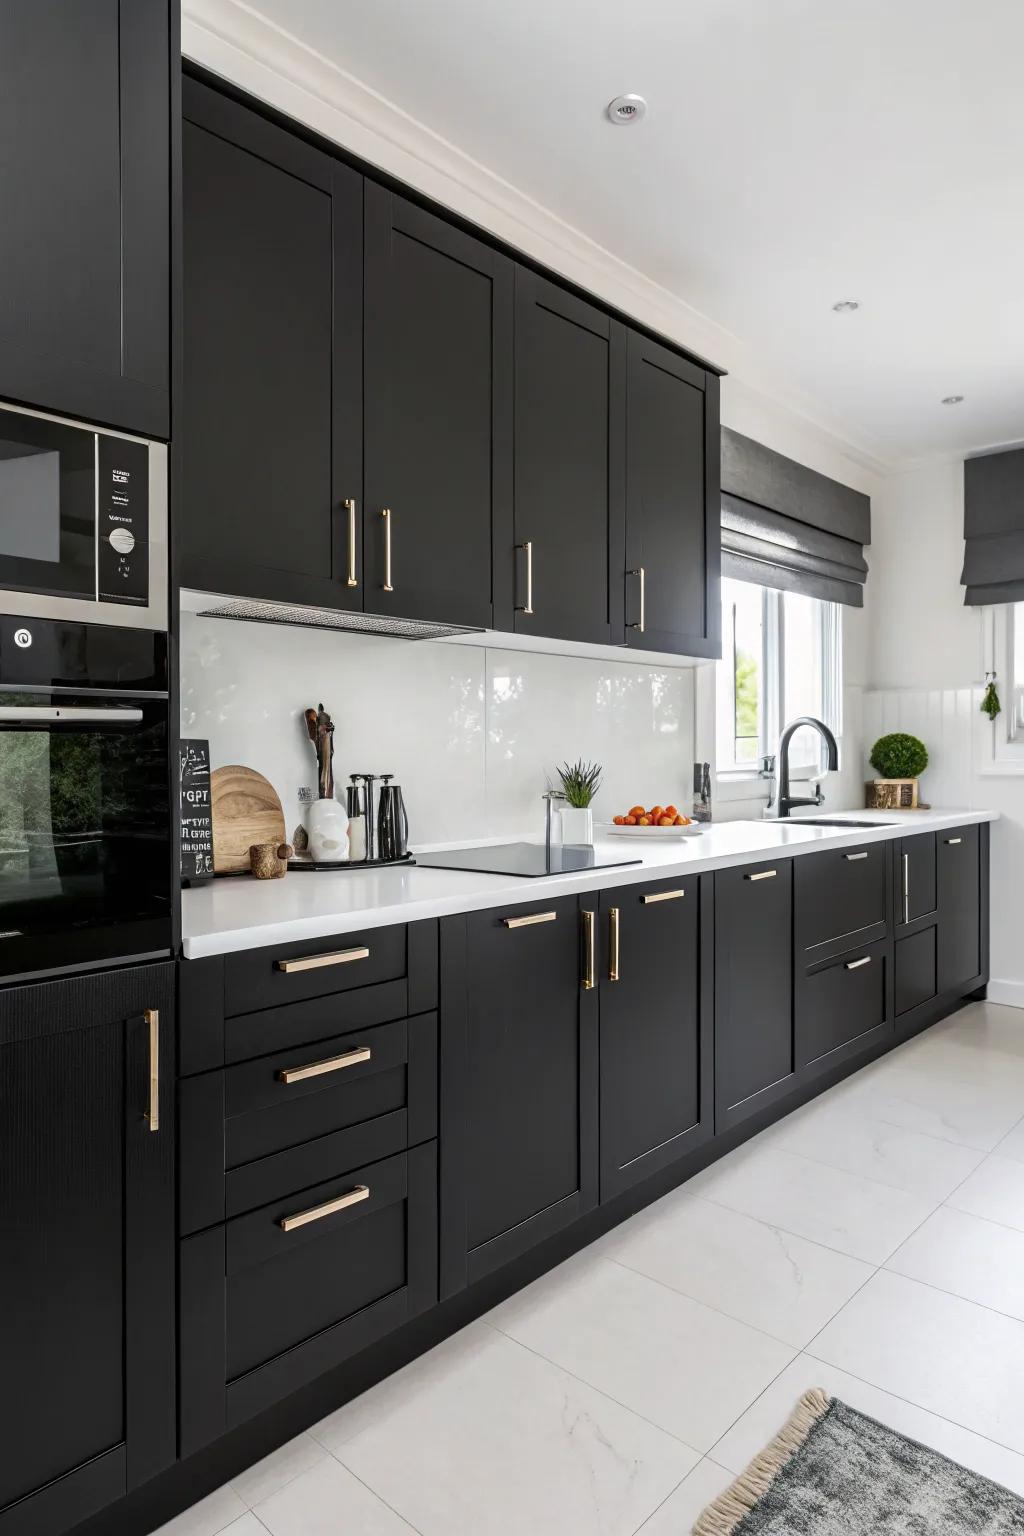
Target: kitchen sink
824,821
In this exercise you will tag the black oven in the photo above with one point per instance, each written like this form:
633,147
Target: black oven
85,799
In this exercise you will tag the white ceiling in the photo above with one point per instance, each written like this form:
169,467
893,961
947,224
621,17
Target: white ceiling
796,152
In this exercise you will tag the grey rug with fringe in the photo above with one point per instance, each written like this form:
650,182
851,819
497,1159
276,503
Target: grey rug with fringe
831,1471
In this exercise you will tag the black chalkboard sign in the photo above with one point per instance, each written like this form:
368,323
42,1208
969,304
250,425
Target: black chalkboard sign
196,811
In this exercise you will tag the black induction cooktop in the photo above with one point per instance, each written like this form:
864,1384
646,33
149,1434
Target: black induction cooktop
531,859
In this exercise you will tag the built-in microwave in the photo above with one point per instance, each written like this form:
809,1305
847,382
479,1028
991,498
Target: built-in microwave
83,522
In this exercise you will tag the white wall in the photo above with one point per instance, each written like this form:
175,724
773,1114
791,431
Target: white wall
473,735
926,673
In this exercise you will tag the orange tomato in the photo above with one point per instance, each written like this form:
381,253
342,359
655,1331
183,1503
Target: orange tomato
670,810
666,821
630,821
682,821
637,810
618,821
656,812
643,821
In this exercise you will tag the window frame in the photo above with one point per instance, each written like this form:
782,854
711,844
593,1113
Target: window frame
1000,742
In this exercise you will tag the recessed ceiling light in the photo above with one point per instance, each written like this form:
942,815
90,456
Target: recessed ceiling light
952,400
626,109
846,306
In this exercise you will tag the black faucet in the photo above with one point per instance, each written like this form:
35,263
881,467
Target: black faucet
786,800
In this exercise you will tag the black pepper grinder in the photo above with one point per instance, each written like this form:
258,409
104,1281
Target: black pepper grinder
392,821
370,779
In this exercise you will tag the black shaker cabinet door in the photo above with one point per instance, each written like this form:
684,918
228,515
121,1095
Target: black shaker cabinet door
272,357
656,1028
519,1082
673,537
569,466
438,404
85,121
87,1250
958,865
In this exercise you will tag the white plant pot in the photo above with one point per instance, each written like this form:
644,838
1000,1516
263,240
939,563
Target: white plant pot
577,825
327,825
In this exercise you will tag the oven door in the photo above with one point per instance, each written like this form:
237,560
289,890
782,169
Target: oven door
85,855
47,507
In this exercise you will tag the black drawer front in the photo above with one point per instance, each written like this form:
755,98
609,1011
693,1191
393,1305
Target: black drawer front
840,1003
291,1025
257,979
914,973
275,1298
839,893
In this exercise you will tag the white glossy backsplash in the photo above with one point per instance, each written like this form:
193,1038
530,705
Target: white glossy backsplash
473,735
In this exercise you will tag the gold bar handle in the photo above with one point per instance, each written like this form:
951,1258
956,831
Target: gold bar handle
613,943
906,887
528,550
386,515
851,858
152,1018
951,842
589,979
350,508
662,896
762,874
529,920
318,1212
317,962
642,625
321,1068
855,965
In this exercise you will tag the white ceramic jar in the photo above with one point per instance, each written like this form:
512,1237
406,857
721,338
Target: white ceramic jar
327,825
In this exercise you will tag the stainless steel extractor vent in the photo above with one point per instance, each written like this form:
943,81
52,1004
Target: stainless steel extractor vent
259,612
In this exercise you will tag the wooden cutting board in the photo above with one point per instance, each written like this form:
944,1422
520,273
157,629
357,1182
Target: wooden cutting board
246,810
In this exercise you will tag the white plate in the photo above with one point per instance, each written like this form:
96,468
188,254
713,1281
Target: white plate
651,833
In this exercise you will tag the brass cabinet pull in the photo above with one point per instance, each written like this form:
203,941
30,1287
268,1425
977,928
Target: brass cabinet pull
529,919
762,874
318,1212
662,896
855,965
321,1068
317,962
350,508
152,1018
851,858
952,841
642,625
386,515
589,953
613,943
528,549
906,887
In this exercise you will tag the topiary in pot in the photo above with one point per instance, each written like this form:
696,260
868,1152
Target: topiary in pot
899,756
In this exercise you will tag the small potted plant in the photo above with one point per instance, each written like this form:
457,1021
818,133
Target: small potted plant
579,785
899,759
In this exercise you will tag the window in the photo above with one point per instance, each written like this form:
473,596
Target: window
781,657
1001,743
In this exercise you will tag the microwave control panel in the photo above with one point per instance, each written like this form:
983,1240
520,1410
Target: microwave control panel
122,526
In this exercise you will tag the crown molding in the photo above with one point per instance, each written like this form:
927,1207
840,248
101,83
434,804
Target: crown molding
235,41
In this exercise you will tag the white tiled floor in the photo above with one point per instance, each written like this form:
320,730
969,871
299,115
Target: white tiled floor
871,1244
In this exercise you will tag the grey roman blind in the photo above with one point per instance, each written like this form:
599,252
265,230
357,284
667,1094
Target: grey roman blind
787,526
994,529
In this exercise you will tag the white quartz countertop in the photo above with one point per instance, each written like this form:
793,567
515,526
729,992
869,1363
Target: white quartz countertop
233,914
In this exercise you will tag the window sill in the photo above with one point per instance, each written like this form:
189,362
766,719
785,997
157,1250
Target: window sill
741,786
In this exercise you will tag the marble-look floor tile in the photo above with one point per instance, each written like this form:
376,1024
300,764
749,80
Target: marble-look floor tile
979,1260
890,1154
854,1215
948,1355
209,1517
995,1191
678,1514
946,1106
258,1482
1012,1144
681,1365
484,1438
328,1500
771,1279
751,1433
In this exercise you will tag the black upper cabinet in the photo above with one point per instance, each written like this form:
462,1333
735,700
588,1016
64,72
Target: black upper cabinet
959,881
569,466
85,120
272,359
673,538
518,1066
438,401
87,1276
656,1028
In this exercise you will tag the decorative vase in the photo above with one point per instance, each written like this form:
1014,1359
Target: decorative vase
577,825
327,825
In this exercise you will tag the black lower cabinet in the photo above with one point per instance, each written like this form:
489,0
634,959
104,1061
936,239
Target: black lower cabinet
656,1027
959,880
755,1059
87,1246
842,1007
518,1072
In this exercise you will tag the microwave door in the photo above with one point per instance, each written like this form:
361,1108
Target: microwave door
47,507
